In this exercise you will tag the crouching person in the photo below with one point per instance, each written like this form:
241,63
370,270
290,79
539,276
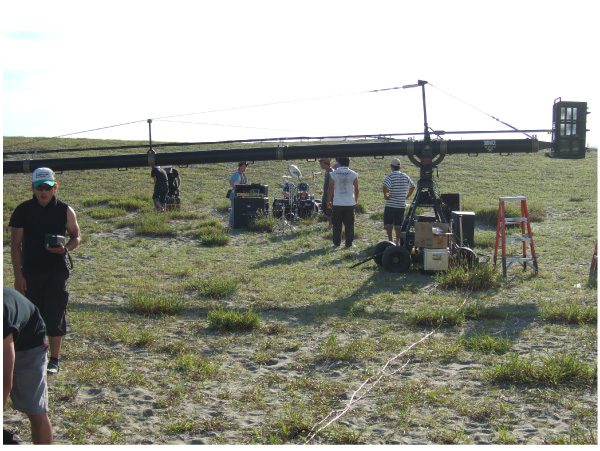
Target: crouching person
24,363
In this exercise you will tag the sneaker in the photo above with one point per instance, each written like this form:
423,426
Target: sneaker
53,366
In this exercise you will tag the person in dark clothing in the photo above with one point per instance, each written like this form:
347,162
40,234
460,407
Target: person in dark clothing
173,198
41,271
161,188
24,363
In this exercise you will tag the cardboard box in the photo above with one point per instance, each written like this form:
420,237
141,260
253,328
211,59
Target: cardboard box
424,236
435,259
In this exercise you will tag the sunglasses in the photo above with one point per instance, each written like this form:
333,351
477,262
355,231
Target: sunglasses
44,187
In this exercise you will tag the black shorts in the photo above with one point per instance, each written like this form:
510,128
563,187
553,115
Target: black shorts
393,217
48,292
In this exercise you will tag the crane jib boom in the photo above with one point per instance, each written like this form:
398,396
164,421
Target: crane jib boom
415,150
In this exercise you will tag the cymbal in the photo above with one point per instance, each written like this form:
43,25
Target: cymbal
286,177
316,173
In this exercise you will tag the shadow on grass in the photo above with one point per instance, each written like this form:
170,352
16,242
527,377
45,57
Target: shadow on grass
290,258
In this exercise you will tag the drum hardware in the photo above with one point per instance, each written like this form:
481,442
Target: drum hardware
297,201
284,208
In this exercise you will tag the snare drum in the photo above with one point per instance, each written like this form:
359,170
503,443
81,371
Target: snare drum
303,189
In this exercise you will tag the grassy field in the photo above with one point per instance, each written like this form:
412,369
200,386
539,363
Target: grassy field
183,331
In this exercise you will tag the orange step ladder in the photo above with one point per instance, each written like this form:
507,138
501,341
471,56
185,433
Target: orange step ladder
524,238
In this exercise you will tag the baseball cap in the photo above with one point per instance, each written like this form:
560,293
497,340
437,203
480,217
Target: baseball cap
395,162
43,175
242,163
166,166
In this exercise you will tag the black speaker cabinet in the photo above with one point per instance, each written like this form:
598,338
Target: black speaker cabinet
452,202
468,227
246,208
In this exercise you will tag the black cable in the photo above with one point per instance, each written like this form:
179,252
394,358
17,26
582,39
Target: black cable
481,111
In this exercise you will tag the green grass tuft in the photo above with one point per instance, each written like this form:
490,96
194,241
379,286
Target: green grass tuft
571,313
560,368
485,343
213,288
476,278
230,320
263,223
354,350
147,300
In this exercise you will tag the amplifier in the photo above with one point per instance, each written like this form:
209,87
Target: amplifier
252,190
245,209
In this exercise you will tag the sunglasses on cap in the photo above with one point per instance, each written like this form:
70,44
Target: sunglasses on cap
44,187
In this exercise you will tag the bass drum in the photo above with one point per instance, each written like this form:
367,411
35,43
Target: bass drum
308,208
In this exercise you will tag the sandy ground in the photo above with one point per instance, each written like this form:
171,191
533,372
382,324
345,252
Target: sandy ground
467,407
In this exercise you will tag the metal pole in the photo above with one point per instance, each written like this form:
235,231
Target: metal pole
150,132
422,83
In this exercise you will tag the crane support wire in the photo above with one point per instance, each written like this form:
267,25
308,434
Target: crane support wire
164,118
77,133
481,111
225,109
355,398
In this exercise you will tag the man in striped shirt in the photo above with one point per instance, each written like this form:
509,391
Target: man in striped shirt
397,188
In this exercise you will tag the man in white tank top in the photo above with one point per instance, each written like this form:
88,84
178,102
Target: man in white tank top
343,185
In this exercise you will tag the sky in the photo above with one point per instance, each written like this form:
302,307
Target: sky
211,71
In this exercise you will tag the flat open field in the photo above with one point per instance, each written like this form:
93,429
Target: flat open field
517,365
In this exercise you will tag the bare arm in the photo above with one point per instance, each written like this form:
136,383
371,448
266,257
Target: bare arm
8,363
73,229
386,193
74,235
356,190
16,239
330,190
410,191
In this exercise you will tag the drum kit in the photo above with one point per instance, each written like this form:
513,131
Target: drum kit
296,199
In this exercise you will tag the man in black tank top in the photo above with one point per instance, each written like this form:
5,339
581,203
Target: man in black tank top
41,272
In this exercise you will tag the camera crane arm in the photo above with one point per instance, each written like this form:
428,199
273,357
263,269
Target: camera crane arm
568,141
